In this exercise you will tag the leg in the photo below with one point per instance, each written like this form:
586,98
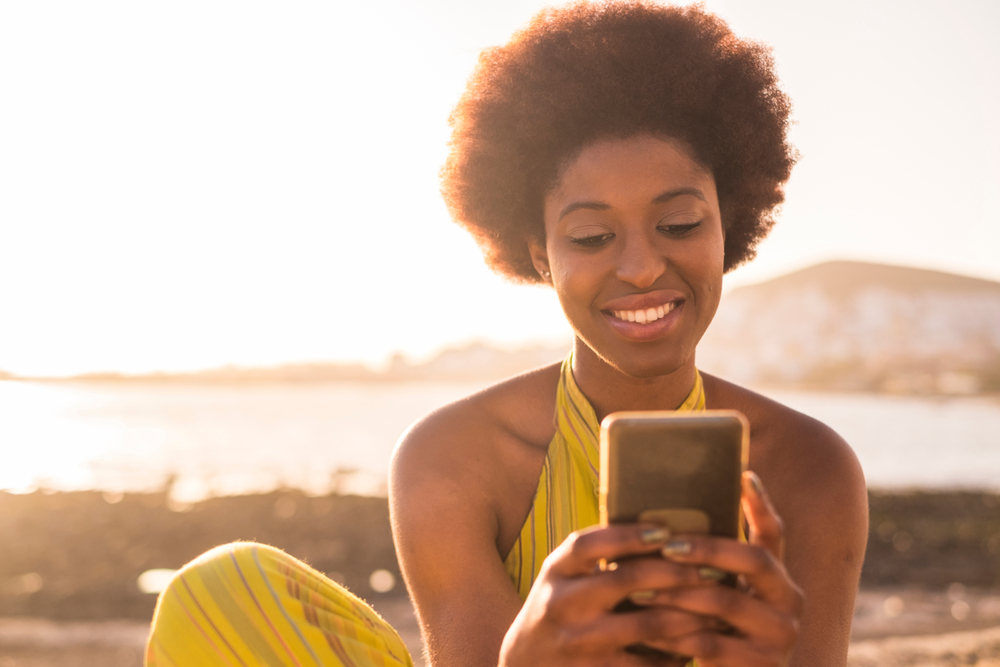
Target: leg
247,604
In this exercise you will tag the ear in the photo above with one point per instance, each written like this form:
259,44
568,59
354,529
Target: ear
540,259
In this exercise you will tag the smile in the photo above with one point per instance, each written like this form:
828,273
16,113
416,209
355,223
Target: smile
645,316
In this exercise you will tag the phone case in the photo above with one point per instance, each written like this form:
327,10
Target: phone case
681,470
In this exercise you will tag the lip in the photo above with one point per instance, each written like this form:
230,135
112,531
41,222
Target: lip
654,299
644,332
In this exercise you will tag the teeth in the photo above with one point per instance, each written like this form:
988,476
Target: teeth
645,316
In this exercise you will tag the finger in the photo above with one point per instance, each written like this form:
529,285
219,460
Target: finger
714,648
669,658
634,576
581,552
762,570
766,529
613,633
638,627
632,660
749,616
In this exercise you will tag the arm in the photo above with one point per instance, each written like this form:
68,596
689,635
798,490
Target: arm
445,528
826,519
445,501
818,489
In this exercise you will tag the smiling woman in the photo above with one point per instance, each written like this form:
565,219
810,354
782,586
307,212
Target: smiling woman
634,247
627,154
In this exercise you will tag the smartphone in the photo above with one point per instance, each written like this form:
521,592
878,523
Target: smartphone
679,470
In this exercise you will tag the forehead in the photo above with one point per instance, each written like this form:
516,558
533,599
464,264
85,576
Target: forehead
637,168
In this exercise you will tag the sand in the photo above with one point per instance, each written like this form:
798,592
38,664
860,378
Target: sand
921,633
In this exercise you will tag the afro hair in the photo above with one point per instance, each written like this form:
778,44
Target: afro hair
590,71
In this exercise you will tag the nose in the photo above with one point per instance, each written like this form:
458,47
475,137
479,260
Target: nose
640,262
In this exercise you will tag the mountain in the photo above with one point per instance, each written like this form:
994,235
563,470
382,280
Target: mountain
859,326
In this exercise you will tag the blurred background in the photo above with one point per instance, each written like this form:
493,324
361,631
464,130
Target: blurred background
228,283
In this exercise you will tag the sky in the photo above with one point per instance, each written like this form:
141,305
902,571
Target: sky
201,183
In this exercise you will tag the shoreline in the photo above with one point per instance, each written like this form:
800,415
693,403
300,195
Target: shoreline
264,380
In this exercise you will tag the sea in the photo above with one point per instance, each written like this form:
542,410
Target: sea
202,440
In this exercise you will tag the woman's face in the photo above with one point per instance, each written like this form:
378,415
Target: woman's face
634,246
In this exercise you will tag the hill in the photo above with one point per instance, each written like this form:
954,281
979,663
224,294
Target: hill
859,326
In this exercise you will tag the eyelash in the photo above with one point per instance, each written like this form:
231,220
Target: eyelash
598,240
595,241
679,231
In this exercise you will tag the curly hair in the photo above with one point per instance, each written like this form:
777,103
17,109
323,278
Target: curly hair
590,71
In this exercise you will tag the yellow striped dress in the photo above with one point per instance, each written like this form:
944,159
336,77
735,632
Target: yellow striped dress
251,605
566,498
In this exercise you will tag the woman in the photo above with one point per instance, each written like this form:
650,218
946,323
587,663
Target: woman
627,155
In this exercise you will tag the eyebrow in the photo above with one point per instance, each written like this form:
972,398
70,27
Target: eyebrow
659,199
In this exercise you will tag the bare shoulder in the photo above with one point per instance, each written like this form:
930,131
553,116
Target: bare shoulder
463,478
517,411
478,452
817,487
800,453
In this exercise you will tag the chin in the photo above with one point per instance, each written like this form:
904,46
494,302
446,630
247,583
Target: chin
645,364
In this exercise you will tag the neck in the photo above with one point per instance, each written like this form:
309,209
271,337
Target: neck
610,390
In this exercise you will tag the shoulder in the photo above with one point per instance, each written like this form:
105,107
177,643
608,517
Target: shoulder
460,483
817,487
516,410
788,443
476,448
812,475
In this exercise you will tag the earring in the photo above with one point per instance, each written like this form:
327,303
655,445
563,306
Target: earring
546,275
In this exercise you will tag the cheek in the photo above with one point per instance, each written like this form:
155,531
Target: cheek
708,265
573,290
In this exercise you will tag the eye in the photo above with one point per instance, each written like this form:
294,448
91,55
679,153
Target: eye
678,231
593,241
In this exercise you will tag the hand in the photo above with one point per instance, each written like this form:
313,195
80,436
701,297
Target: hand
568,618
763,613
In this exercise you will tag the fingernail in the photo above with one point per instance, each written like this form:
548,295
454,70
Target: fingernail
654,535
711,574
758,488
676,548
641,596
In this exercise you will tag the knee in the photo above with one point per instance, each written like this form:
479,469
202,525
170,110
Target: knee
191,598
220,557
224,552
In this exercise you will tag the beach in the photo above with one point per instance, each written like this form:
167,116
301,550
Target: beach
69,563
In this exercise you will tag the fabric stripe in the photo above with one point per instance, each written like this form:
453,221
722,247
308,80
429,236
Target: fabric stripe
566,497
284,612
209,619
201,630
250,594
267,619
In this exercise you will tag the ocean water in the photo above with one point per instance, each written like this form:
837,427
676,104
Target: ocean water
226,439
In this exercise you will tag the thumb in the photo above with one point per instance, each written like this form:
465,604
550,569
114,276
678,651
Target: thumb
766,528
